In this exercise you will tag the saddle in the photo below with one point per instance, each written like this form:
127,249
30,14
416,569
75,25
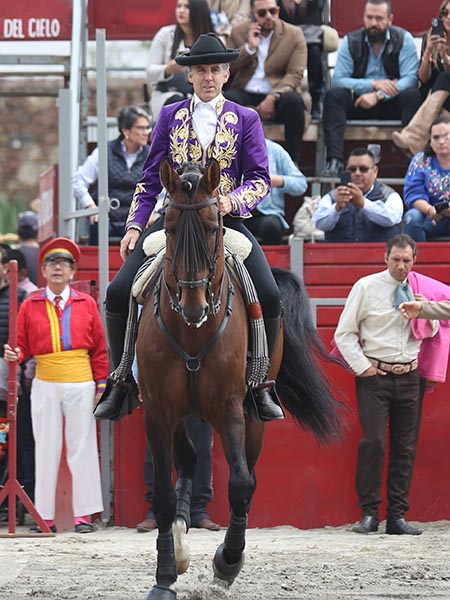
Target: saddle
155,247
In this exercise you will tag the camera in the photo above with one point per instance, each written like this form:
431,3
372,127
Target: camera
437,27
441,206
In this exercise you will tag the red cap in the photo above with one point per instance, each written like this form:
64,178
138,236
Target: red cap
59,247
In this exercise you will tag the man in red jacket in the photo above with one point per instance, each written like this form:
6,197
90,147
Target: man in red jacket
62,328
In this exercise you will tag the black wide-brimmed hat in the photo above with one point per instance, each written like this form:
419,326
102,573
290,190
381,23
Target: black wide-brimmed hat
208,49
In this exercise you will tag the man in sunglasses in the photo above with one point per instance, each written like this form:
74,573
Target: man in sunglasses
375,78
363,210
269,70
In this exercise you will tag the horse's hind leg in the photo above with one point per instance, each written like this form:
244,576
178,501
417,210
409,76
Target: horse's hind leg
229,557
185,460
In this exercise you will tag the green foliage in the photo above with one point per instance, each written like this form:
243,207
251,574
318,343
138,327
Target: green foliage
8,216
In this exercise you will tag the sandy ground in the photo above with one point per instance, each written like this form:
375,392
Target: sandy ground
281,563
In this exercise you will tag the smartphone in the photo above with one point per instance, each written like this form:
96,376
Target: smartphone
437,27
441,206
345,177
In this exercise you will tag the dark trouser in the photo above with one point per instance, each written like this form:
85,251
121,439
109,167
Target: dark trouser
339,106
289,110
316,80
381,397
267,228
201,436
118,292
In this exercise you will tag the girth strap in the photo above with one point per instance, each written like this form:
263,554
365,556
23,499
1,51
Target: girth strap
193,363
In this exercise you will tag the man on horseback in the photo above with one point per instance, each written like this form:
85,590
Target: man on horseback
196,130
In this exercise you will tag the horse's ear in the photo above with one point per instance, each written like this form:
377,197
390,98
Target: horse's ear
212,176
167,175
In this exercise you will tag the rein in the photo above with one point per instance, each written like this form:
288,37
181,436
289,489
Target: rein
191,245
198,248
193,363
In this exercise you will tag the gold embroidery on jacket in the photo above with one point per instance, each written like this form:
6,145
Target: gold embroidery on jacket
249,196
139,189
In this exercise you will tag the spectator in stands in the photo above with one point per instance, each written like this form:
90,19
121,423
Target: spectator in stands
435,87
22,270
268,223
381,349
365,210
227,13
269,71
27,230
427,187
309,15
126,157
61,327
168,80
375,78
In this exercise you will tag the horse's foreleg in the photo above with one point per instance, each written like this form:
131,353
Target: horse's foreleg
229,557
164,506
185,460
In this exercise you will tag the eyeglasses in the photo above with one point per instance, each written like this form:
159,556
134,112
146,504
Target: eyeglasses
142,128
58,263
362,168
444,137
263,11
443,13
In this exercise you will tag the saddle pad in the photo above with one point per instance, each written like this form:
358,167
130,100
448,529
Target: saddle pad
155,245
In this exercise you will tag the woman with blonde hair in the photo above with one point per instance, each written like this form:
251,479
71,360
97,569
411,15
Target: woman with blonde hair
434,76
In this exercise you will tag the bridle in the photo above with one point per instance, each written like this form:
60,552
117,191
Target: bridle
194,363
192,246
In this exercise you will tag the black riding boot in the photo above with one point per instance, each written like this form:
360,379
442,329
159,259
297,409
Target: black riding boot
112,403
268,409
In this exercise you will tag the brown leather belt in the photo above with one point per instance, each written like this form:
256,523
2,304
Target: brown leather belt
395,368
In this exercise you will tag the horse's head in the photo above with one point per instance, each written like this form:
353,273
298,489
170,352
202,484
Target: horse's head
193,239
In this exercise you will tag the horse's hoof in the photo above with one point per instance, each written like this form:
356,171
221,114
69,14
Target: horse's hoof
223,570
159,592
181,548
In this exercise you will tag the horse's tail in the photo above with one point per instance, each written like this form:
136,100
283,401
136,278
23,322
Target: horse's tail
303,387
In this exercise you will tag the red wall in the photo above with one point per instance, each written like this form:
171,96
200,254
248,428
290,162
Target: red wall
299,483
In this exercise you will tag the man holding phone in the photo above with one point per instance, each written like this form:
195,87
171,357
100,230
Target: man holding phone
269,71
375,78
360,209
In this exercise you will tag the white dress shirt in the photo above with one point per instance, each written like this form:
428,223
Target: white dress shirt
370,326
64,296
205,119
258,83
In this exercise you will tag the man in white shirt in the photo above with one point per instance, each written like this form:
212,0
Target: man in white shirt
269,70
363,210
377,342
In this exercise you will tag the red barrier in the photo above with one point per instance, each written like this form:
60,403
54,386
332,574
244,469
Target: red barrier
299,483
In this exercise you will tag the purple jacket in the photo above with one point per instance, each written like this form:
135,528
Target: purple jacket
238,145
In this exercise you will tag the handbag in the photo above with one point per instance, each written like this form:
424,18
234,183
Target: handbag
177,83
324,35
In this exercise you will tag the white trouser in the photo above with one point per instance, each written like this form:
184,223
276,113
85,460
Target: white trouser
50,402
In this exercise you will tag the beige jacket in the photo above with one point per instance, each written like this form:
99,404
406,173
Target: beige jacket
285,63
435,310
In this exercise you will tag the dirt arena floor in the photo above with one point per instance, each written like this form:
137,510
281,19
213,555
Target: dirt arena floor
281,563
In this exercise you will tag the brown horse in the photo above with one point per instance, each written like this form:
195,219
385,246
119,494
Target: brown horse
192,357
